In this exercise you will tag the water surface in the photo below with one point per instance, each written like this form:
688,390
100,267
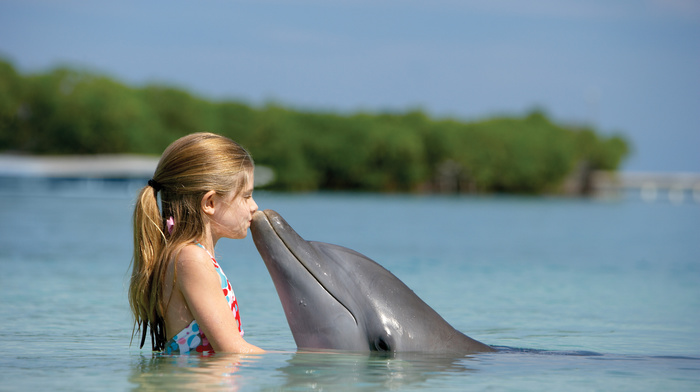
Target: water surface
579,294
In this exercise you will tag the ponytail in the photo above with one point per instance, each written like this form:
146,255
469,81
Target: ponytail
149,242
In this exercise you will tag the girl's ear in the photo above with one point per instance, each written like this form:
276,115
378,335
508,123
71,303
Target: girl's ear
208,203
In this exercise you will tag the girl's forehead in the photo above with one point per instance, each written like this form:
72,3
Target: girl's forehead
249,186
246,182
249,179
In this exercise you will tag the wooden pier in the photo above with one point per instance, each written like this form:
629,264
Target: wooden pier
94,167
650,186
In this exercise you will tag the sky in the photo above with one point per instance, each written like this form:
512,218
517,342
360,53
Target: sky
625,67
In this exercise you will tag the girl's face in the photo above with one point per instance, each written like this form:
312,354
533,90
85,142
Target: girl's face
235,214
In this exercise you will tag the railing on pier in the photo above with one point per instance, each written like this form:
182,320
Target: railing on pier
674,187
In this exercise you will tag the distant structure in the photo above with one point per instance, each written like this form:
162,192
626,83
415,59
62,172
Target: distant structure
94,167
78,166
674,187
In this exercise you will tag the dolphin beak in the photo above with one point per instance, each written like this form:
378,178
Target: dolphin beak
269,224
278,243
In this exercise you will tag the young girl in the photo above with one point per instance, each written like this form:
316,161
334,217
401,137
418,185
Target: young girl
205,184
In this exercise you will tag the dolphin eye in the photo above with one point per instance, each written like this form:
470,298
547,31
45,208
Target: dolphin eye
381,345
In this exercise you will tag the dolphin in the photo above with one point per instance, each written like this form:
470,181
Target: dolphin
338,299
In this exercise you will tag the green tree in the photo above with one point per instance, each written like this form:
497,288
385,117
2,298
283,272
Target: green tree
74,112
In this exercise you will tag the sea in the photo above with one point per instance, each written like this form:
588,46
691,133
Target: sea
578,294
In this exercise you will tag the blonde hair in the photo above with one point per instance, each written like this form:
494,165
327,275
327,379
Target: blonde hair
189,168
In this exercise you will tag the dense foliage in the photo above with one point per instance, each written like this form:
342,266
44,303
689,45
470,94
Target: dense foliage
66,111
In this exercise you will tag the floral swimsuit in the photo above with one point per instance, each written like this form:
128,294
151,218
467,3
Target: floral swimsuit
191,339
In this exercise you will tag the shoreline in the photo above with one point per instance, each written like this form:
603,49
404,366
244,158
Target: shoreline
104,166
678,186
78,166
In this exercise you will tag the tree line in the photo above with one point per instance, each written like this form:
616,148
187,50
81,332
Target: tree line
68,111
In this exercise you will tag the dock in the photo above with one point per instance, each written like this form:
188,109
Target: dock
118,166
650,186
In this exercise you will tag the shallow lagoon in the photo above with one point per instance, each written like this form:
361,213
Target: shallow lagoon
581,294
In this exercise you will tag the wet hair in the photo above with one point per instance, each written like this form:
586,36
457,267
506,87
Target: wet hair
189,168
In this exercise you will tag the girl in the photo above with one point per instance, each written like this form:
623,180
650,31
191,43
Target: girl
205,183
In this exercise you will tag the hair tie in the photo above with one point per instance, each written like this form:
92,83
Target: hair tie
170,224
155,185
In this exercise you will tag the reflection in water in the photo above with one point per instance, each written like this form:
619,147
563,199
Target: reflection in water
299,371
341,371
333,371
187,372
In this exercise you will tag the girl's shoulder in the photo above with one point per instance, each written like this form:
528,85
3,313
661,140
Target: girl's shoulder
195,270
193,256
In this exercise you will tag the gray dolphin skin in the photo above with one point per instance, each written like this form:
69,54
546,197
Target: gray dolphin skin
337,299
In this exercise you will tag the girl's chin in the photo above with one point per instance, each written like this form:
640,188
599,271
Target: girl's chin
238,236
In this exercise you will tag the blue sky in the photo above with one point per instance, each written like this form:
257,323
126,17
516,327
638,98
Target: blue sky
631,67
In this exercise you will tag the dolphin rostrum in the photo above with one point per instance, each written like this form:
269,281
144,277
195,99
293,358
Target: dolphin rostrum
335,298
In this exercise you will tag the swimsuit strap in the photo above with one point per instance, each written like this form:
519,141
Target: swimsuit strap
205,249
226,287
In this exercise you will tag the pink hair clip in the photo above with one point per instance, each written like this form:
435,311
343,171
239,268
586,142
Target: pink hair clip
170,223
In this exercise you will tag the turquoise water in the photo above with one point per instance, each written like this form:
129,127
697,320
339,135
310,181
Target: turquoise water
582,294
